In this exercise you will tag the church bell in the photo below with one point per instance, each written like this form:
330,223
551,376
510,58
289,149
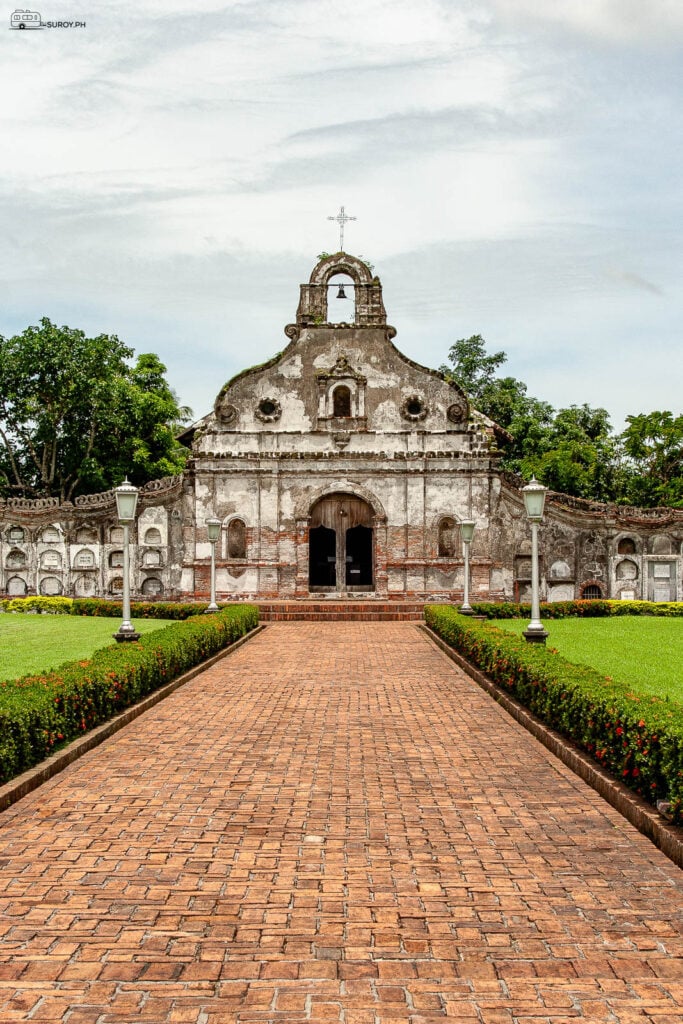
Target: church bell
341,294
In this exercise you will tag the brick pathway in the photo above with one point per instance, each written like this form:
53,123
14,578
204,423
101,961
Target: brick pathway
333,824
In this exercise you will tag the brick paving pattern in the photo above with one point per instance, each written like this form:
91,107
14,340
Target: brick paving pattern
332,824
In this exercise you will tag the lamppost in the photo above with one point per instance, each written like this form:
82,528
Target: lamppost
534,501
126,503
466,533
213,527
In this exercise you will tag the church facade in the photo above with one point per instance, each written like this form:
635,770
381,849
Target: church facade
340,468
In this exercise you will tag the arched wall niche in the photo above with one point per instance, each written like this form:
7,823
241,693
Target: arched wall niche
447,537
236,539
341,401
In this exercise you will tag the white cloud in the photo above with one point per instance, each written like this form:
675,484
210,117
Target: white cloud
614,21
513,167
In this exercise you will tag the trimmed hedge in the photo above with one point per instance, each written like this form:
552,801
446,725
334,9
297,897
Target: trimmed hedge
99,607
638,739
41,712
578,609
138,609
49,605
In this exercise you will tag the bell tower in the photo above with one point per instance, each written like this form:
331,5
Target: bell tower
369,308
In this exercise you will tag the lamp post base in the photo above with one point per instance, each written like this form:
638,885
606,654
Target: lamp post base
123,635
535,636
466,609
211,608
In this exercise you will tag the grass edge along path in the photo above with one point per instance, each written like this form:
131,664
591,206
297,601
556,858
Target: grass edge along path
638,739
41,712
32,644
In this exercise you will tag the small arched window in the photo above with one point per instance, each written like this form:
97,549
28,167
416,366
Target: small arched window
591,593
626,546
237,539
448,531
342,401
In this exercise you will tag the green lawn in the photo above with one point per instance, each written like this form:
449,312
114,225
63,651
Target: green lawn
644,652
37,643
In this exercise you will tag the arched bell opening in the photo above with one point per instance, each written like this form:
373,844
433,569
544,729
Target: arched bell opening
341,299
341,545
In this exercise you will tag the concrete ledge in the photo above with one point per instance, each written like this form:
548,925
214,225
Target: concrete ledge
29,780
669,838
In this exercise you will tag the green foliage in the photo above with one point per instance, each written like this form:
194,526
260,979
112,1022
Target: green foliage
573,450
75,417
40,712
97,606
549,610
653,443
578,609
45,605
638,739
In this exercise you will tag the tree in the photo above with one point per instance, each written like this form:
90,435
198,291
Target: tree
76,418
653,444
572,450
472,369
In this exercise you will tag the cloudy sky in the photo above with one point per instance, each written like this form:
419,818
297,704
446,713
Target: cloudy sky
514,167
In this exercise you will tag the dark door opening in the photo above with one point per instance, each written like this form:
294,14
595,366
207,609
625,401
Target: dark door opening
322,571
359,557
341,544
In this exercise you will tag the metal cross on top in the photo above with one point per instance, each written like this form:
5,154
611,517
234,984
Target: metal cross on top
341,220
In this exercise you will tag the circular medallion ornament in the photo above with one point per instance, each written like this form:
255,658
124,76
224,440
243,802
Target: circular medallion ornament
268,410
457,411
225,411
414,409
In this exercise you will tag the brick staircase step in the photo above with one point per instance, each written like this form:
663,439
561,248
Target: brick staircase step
347,611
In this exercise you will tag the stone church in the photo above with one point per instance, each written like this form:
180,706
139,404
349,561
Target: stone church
340,468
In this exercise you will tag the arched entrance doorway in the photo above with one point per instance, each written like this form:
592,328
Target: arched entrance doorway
341,548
